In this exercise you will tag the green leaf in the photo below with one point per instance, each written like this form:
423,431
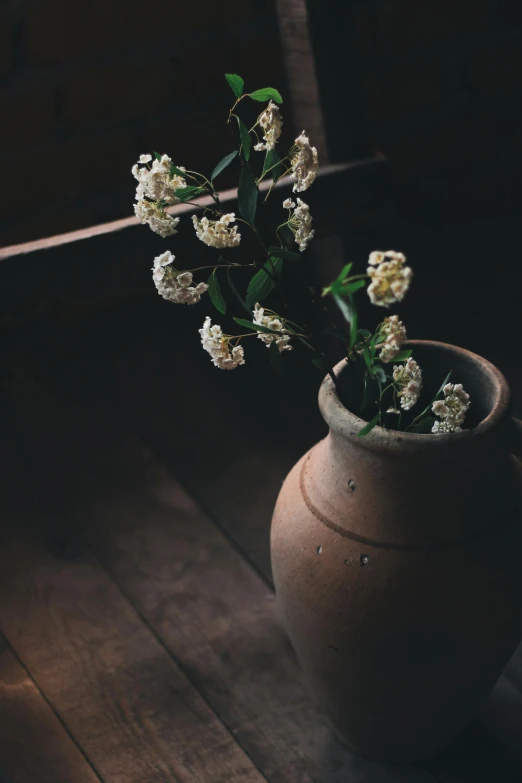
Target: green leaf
335,286
363,334
345,271
188,193
367,358
255,327
276,359
236,293
174,170
247,195
423,426
368,427
223,164
349,312
246,141
158,156
263,281
280,252
266,94
236,83
214,291
272,165
402,356
379,374
353,287
319,363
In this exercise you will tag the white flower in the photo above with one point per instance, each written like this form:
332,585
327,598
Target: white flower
390,278
288,203
153,214
269,319
173,285
378,256
272,124
216,233
393,410
408,379
218,346
305,163
451,410
300,223
156,183
395,332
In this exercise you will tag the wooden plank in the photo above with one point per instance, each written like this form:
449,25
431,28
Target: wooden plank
34,745
215,615
208,606
121,695
195,590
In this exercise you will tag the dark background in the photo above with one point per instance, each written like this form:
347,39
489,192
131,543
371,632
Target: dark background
86,87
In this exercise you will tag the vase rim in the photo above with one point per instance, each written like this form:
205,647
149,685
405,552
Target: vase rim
347,424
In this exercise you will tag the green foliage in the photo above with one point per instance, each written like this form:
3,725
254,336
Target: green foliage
349,311
369,427
188,193
214,291
287,236
236,293
175,171
320,364
423,426
354,286
266,94
223,164
158,155
281,252
236,83
264,281
244,136
272,165
254,327
402,356
336,286
276,359
247,195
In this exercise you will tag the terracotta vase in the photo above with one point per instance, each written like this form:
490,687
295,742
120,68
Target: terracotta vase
396,560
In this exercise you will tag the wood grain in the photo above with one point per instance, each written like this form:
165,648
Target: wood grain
121,695
34,745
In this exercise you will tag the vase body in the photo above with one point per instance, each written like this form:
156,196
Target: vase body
396,562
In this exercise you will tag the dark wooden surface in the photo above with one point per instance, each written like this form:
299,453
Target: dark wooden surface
139,639
142,643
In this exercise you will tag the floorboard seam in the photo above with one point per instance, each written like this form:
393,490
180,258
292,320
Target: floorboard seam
169,652
142,439
55,712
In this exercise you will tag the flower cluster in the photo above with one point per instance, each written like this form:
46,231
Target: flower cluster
156,191
390,278
300,222
270,320
451,410
173,285
272,124
408,378
157,183
394,332
218,346
304,162
154,214
216,233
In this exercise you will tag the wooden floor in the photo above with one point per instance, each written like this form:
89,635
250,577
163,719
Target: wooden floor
139,641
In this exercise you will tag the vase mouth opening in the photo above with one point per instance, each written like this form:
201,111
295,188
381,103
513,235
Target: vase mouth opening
487,387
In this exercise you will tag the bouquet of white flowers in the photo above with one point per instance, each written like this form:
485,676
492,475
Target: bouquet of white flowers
387,393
